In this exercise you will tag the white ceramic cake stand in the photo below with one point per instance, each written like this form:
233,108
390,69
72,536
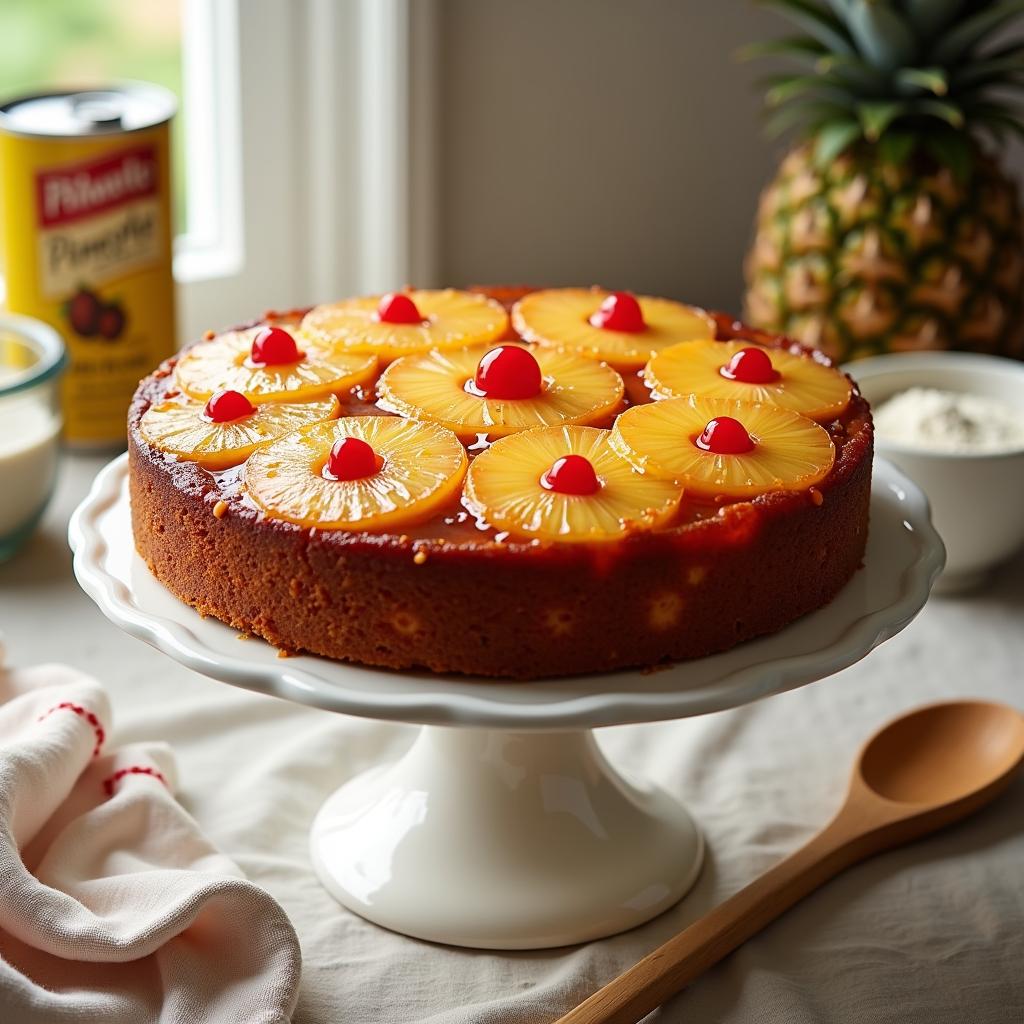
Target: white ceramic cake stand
512,831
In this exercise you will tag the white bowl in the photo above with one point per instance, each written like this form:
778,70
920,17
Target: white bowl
977,498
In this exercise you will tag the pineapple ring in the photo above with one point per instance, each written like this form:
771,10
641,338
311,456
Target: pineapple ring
504,488
222,363
452,319
561,317
432,387
791,452
422,470
178,427
803,385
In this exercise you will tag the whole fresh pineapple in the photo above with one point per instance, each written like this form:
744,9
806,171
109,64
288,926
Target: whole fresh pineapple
890,227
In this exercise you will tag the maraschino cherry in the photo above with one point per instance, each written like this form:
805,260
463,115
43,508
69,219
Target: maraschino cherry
225,406
274,346
620,312
351,458
508,372
571,474
725,436
750,366
398,308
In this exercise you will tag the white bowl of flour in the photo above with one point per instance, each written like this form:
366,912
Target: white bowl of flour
954,422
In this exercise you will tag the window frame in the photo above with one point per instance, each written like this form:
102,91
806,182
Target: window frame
320,117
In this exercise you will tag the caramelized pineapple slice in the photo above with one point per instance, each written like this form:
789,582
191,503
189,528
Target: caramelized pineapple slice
358,473
401,323
622,329
228,362
565,484
722,449
502,390
741,371
226,430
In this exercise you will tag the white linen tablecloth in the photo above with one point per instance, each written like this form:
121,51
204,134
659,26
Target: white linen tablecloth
931,933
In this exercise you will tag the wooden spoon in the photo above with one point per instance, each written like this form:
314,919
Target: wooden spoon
919,773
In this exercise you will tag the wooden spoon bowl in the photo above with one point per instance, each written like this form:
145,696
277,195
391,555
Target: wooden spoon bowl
922,758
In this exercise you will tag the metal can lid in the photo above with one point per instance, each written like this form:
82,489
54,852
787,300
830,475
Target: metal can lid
126,107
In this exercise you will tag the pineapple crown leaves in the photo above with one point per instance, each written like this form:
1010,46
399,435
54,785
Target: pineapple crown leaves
898,74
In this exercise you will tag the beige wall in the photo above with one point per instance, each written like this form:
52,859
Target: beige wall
607,141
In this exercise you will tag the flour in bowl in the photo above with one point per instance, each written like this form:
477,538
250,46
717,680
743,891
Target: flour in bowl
950,421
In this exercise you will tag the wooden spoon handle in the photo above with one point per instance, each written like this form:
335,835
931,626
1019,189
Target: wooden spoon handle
672,966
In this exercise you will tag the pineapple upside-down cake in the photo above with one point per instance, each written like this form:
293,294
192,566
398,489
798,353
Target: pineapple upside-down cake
501,482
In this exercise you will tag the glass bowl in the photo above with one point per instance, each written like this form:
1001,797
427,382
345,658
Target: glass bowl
32,356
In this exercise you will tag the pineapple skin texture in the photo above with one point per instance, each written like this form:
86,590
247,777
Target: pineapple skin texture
862,257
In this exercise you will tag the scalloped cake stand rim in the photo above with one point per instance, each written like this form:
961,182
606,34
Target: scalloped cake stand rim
904,557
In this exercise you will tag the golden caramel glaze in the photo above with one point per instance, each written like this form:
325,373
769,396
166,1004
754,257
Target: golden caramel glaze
453,595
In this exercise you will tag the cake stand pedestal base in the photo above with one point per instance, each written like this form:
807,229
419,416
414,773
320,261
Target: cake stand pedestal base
505,840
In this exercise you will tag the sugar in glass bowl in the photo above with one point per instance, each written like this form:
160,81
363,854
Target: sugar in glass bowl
975,482
32,356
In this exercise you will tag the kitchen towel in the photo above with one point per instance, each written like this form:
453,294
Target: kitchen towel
114,907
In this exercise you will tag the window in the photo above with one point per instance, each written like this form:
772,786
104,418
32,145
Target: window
302,144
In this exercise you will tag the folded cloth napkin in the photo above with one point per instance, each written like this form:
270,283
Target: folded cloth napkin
113,906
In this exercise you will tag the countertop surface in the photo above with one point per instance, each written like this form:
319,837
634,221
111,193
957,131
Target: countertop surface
933,932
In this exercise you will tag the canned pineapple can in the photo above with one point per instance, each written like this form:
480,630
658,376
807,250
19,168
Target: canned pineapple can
85,240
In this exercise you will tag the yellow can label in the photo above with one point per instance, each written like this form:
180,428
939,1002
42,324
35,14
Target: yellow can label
87,248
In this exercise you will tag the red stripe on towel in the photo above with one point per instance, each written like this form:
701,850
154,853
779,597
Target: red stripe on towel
135,769
82,713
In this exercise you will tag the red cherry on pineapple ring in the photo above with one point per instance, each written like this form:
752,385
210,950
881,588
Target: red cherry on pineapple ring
620,312
351,458
571,474
225,406
725,436
750,366
508,372
398,308
274,346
